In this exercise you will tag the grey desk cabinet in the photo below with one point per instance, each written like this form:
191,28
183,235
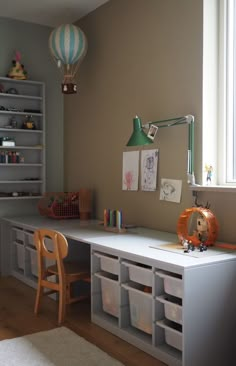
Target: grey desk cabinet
179,309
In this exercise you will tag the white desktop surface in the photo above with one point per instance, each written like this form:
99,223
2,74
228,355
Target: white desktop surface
136,241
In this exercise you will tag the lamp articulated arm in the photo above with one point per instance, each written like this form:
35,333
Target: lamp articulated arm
139,138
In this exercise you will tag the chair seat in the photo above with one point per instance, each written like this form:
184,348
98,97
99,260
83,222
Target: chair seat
72,269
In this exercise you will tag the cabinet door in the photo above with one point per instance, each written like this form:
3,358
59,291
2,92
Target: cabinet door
22,145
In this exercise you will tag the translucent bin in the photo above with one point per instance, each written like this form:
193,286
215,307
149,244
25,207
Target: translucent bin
172,285
110,294
34,261
30,239
18,235
20,255
172,310
108,263
140,308
173,337
140,274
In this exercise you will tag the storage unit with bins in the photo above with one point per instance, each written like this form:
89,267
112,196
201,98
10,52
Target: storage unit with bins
22,154
160,309
24,256
24,264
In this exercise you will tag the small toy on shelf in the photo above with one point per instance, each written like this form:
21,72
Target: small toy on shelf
28,124
17,70
208,170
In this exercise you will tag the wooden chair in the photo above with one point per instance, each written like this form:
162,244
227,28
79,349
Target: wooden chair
65,273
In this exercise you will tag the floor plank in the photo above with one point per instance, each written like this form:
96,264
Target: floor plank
17,319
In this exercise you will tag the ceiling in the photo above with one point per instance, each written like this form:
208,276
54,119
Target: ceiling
48,12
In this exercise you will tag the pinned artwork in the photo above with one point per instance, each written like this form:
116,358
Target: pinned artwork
171,190
130,171
149,161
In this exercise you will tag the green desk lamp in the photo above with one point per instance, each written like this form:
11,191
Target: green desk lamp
139,137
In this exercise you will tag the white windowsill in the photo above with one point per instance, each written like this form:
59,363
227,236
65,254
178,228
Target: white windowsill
212,188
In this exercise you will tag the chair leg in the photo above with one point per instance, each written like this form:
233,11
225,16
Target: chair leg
62,306
38,298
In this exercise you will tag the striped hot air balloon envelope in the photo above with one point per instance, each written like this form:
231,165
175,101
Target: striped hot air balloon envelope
68,46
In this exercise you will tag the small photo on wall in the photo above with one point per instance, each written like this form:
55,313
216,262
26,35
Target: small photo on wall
171,190
152,132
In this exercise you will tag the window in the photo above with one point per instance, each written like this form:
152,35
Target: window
219,92
227,93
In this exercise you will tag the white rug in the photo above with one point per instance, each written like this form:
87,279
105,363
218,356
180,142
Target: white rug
56,347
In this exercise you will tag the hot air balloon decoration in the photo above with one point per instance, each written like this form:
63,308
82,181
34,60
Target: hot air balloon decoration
68,46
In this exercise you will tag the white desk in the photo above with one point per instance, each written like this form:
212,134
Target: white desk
207,282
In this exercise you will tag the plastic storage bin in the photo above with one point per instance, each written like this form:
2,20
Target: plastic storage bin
140,307
139,273
108,263
20,255
29,239
172,310
173,337
34,261
18,235
172,285
110,294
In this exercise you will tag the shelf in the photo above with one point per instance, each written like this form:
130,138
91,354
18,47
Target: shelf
21,113
20,96
212,188
21,147
20,130
20,198
19,165
20,181
22,82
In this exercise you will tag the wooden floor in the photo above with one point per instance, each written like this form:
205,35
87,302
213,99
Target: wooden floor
17,319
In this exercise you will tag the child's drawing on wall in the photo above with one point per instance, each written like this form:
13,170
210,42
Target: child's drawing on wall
171,190
130,170
149,160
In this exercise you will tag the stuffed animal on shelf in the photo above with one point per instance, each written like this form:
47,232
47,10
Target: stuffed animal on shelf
17,70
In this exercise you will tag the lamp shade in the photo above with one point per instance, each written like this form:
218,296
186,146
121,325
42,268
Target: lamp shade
138,137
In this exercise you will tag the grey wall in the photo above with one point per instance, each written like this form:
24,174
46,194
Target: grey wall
144,57
32,41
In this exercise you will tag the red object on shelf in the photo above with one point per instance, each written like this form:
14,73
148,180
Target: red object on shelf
59,205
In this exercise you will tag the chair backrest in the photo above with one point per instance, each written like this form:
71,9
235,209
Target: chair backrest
52,246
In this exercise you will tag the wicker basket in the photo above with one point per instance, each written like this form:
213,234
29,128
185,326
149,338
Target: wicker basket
59,205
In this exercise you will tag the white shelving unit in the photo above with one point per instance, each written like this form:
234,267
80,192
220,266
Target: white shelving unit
24,179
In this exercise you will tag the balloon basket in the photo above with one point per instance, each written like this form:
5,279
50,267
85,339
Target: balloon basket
69,88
